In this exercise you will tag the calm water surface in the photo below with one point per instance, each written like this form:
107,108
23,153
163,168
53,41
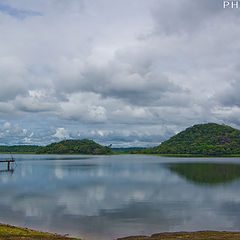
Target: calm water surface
105,197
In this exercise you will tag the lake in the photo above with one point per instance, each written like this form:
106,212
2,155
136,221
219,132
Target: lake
105,197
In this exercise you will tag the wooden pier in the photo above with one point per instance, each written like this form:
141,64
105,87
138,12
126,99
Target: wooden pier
8,161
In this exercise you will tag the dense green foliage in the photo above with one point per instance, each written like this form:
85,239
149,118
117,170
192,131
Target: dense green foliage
207,173
129,150
203,139
83,146
19,149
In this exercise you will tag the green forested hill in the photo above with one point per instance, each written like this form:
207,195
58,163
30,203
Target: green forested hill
83,146
203,139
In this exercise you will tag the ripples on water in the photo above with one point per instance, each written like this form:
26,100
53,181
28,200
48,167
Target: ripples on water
104,197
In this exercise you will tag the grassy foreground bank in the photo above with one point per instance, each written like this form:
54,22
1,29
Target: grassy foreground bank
202,235
8,232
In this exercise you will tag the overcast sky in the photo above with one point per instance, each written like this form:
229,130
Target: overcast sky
129,72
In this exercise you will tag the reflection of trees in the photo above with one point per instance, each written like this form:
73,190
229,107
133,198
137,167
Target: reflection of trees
207,173
7,172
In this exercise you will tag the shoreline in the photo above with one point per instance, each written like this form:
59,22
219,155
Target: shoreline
10,232
125,153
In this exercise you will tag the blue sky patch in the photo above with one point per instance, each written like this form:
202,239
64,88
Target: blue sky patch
18,13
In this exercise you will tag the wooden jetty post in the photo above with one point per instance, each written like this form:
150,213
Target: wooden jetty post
8,161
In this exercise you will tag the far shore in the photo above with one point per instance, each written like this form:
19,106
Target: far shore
128,153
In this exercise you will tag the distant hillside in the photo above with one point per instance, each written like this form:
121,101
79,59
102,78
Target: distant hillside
128,150
19,149
203,139
83,146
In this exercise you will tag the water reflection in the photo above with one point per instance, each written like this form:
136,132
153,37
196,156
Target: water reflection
114,196
6,171
207,173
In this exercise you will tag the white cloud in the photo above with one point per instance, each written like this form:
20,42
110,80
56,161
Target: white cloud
12,77
102,65
36,101
6,125
61,133
83,107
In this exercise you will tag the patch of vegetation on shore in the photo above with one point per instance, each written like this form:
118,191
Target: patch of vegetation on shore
201,235
8,232
127,150
209,139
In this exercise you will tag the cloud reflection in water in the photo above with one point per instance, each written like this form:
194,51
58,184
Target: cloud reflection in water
115,196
